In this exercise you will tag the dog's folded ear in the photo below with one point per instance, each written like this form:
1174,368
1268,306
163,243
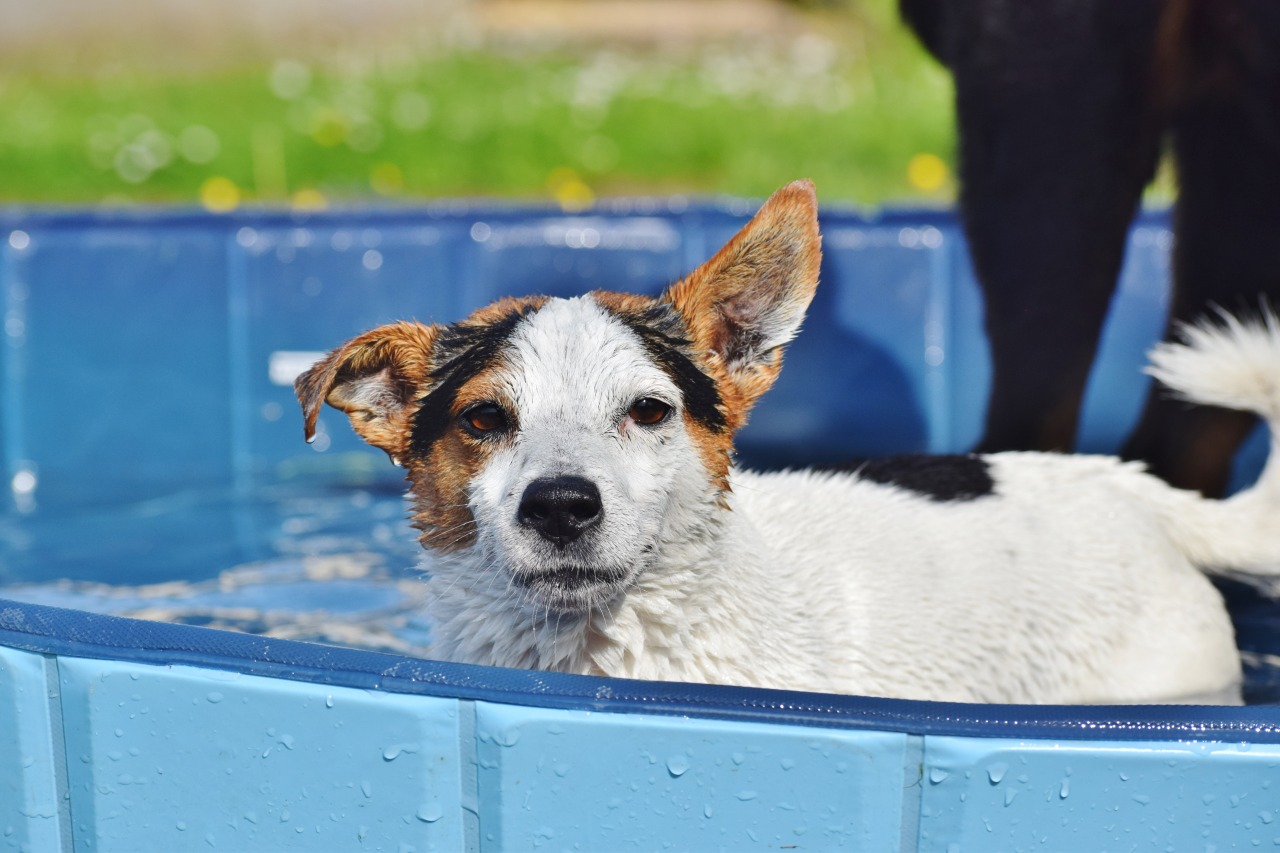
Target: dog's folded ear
376,380
748,301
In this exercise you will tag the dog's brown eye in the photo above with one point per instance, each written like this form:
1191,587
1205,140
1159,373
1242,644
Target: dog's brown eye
647,411
484,419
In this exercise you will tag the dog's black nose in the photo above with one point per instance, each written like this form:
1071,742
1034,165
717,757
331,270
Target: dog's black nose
560,508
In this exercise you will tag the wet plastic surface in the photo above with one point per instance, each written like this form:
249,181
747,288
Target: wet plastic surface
132,735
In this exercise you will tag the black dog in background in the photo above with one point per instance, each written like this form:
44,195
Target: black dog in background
1063,109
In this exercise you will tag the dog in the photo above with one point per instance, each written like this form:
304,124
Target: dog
1063,110
571,475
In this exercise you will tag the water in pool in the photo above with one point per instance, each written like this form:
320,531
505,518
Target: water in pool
330,564
326,563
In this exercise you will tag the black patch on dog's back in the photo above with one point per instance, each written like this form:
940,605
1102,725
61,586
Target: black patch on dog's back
662,332
946,477
461,351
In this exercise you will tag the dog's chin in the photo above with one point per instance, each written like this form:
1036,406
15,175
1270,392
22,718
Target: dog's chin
572,588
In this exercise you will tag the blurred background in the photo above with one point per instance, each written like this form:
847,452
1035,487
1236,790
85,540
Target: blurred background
312,103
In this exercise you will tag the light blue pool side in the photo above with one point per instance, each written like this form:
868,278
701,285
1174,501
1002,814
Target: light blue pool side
124,735
110,755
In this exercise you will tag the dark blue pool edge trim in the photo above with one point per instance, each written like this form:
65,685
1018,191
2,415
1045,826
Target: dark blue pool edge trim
72,633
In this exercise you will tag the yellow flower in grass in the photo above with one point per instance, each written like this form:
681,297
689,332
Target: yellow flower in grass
309,199
569,190
219,195
927,172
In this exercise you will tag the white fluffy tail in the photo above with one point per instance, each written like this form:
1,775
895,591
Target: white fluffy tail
1229,362
1233,363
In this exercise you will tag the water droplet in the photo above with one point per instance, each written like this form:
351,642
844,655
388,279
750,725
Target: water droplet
214,697
367,790
181,826
1266,817
788,763
1141,799
747,796
508,738
328,701
996,772
738,758
1065,790
937,774
430,813
1009,796
394,751
706,810
677,765
561,770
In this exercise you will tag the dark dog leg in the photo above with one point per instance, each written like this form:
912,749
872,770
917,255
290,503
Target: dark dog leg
1058,136
1227,252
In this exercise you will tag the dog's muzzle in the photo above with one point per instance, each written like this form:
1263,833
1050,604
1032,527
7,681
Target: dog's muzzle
560,509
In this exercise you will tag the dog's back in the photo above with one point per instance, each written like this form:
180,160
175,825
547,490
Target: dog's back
1058,586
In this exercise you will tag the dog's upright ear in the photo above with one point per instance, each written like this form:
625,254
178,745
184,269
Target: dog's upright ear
376,380
746,303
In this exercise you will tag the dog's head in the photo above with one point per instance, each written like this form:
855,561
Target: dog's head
569,441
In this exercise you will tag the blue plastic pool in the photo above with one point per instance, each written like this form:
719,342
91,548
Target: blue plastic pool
154,466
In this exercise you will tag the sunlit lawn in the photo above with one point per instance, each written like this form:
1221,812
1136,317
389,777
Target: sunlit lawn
860,110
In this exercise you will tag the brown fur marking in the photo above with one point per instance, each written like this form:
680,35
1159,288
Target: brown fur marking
375,379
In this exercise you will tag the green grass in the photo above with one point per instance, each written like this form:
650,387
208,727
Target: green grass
849,111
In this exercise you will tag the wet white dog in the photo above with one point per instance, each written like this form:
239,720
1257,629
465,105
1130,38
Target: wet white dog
571,476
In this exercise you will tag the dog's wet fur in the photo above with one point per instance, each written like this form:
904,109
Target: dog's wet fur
571,475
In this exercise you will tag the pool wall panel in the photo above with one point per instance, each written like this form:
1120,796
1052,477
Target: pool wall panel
146,308
182,758
992,794
590,781
31,801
